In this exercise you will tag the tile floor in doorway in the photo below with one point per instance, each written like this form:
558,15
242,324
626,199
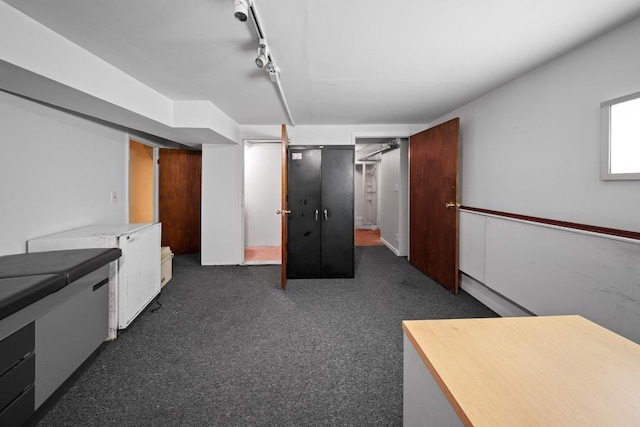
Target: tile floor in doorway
272,254
367,237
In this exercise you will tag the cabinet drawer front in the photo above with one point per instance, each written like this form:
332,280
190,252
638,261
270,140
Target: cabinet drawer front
16,347
17,380
19,410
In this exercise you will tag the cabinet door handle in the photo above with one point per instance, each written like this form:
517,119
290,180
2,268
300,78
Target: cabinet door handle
316,214
325,214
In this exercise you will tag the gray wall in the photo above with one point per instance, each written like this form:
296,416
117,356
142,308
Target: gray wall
57,172
532,147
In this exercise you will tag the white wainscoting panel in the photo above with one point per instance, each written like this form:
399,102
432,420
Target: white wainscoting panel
551,270
472,245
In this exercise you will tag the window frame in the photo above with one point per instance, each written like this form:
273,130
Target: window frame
605,141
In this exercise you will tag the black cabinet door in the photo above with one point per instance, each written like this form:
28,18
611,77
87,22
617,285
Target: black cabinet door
337,201
305,223
320,225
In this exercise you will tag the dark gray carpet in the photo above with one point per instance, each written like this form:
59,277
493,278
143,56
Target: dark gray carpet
229,348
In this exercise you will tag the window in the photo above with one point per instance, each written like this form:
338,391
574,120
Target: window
620,121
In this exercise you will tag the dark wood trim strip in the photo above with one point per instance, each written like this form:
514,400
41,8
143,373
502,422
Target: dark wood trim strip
576,226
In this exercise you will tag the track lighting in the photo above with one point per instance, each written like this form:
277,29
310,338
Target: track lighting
241,9
261,60
263,54
264,60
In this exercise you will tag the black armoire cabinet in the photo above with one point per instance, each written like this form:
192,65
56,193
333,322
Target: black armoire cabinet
320,225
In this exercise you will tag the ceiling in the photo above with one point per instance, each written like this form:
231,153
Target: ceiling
341,62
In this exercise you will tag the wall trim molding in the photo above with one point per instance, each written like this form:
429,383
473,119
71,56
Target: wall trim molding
564,224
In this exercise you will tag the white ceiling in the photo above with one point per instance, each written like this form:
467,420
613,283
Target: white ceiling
341,61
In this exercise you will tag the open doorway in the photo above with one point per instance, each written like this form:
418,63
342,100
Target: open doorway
367,231
366,178
262,198
381,195
366,195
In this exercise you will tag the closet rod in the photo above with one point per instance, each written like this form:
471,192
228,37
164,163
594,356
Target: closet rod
389,147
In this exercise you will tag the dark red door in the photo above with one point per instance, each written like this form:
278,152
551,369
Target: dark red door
434,159
179,199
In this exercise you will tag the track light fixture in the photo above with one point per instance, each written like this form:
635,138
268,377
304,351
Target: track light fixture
261,60
241,9
263,54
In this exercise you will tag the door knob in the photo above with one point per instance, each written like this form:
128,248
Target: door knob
452,204
283,212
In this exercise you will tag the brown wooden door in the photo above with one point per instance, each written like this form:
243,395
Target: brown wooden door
283,208
179,199
433,202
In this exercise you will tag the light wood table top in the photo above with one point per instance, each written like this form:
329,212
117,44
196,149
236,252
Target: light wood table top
532,371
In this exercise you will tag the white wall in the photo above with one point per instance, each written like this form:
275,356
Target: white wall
262,194
532,146
222,212
390,199
56,172
393,199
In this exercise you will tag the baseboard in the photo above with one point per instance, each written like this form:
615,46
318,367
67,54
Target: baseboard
263,262
496,302
366,227
390,246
